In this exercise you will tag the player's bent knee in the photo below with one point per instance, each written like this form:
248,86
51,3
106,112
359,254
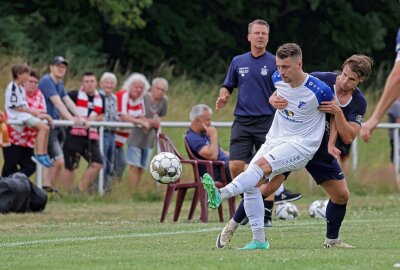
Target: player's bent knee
264,165
341,197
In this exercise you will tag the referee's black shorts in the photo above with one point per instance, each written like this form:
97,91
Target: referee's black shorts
247,136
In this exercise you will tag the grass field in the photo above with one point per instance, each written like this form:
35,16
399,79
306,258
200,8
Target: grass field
98,233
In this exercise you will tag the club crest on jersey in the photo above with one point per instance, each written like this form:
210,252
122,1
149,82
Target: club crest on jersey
301,104
264,71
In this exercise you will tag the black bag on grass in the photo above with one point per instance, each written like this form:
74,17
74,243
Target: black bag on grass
18,194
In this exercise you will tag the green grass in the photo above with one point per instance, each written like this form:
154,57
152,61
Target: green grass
84,233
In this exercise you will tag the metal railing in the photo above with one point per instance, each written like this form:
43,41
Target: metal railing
172,124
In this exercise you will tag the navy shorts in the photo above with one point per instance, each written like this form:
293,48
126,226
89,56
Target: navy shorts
247,136
323,170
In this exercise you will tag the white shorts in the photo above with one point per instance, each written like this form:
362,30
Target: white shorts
282,157
29,122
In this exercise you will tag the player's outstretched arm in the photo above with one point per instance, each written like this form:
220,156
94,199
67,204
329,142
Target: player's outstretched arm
389,95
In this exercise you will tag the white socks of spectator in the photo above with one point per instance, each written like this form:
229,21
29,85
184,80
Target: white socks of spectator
243,182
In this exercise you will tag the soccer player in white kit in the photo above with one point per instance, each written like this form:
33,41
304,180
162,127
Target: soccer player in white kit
294,137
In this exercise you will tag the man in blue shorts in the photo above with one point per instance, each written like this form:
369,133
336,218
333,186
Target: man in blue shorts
347,111
251,73
390,94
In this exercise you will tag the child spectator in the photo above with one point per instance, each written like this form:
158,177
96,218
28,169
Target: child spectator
17,157
17,109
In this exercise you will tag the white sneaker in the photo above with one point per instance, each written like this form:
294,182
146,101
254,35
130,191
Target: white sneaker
224,237
337,244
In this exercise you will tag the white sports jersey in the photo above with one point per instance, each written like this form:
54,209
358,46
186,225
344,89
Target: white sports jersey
301,123
15,97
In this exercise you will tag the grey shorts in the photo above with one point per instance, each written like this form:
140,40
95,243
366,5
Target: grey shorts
56,140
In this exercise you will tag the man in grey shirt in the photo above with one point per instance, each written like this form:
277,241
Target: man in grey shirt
141,141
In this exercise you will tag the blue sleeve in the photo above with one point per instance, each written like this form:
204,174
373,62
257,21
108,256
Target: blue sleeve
231,81
276,77
328,94
195,142
327,77
398,41
48,88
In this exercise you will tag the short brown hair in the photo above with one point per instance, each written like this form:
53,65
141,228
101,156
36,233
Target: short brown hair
35,73
289,50
360,64
258,21
19,69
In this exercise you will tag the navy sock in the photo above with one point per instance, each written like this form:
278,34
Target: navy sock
268,205
240,214
334,216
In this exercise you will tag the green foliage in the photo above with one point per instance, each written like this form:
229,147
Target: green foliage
122,13
198,38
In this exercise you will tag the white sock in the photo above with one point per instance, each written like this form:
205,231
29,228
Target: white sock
280,189
254,207
243,182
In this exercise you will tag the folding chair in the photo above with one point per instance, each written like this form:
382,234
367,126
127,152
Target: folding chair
220,165
181,186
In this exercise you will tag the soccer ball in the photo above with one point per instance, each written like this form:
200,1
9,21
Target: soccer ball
286,211
318,209
165,167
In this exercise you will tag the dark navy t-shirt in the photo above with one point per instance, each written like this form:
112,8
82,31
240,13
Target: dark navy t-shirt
49,88
353,111
252,76
197,141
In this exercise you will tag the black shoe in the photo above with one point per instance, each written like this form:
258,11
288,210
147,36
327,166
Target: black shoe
267,221
287,196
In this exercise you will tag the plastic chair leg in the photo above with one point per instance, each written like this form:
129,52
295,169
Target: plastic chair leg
180,197
167,202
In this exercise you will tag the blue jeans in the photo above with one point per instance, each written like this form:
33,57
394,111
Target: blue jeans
120,162
109,157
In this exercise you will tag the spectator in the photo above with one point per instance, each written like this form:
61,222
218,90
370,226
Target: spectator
130,109
57,102
82,141
108,83
17,157
202,139
17,109
141,139
394,117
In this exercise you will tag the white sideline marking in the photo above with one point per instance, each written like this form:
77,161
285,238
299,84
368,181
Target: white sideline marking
95,238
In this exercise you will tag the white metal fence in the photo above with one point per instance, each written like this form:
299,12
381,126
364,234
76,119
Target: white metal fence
172,124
